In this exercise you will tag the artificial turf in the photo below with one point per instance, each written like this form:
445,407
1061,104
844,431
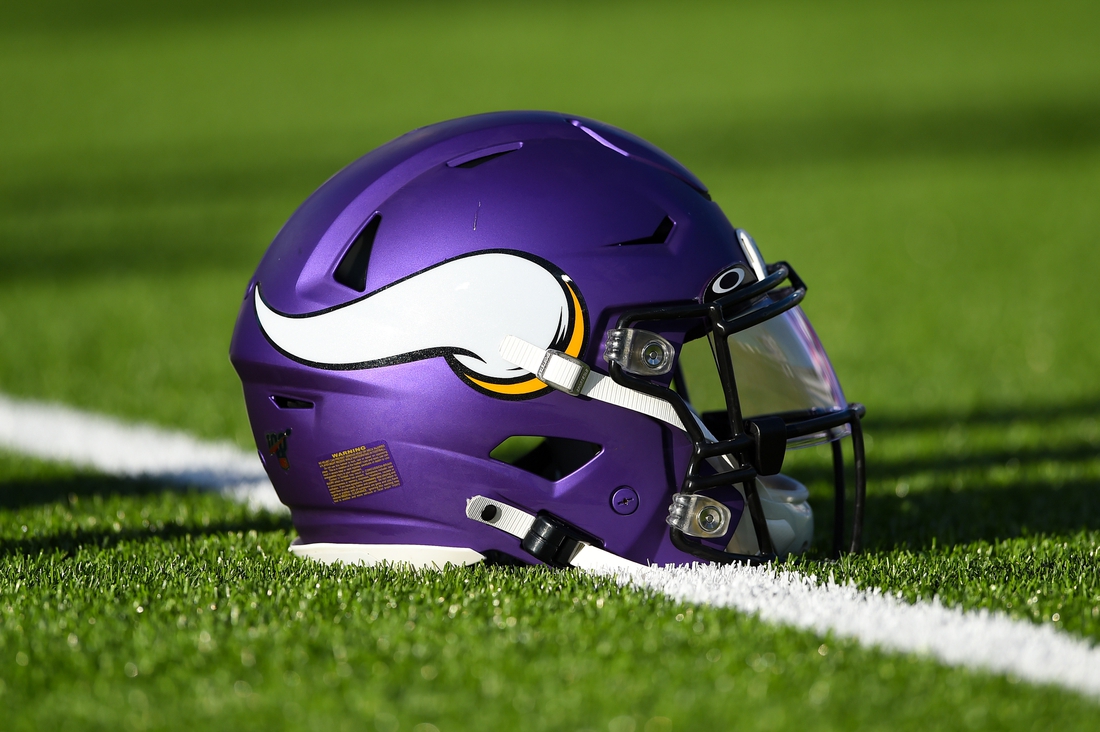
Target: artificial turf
994,510
932,170
122,605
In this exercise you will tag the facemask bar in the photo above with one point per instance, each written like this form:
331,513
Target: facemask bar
755,446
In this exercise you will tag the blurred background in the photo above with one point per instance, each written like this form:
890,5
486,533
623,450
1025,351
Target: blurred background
932,169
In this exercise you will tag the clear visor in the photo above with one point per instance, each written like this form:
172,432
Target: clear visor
780,367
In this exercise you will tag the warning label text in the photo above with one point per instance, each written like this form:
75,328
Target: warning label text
359,471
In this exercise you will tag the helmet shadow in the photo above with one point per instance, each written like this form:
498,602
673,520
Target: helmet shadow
96,496
989,475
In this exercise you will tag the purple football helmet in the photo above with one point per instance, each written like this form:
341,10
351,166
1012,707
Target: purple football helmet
482,341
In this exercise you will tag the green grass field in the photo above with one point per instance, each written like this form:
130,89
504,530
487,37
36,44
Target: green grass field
932,169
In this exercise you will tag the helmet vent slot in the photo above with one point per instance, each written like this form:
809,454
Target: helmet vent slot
285,402
552,458
480,157
659,236
352,270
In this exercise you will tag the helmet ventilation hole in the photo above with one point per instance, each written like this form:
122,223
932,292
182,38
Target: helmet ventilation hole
480,157
552,458
659,236
352,270
285,402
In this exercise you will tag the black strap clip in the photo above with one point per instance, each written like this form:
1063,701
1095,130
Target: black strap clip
770,437
553,541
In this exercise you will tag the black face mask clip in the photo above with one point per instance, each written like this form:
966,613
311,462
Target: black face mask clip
757,446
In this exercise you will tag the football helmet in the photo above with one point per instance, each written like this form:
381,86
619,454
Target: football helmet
491,338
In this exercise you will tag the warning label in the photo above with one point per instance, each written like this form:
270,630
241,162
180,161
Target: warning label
359,471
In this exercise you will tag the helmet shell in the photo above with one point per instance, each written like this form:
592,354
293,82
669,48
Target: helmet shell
587,198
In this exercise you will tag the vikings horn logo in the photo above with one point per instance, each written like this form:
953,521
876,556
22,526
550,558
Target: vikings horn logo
460,310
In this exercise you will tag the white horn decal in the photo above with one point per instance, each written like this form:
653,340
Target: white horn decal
460,310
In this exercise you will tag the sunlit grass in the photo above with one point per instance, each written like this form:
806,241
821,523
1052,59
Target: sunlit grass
125,605
931,170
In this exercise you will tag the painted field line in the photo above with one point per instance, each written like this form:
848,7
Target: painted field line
972,639
975,639
61,434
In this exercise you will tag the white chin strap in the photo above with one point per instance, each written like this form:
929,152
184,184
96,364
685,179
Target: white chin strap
573,376
518,523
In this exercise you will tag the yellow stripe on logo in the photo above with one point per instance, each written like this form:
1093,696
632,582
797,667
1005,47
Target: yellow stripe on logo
579,326
523,387
573,348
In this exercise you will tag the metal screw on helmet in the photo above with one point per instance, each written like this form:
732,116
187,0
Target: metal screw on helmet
639,351
709,519
653,355
624,501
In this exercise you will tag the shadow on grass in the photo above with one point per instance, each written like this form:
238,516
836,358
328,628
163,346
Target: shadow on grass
963,503
207,241
985,417
945,516
72,541
979,128
83,490
62,14
130,186
973,460
36,491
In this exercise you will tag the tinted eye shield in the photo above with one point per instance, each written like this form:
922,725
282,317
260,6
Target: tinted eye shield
754,446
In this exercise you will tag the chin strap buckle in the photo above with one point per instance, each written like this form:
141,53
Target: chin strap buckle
546,537
563,372
553,541
556,369
574,377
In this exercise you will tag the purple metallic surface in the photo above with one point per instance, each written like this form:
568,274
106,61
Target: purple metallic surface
624,501
562,196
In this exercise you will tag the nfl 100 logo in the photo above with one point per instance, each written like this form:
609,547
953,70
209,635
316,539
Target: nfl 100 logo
276,446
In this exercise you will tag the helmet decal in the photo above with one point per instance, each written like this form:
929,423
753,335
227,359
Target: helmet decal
276,446
460,310
728,280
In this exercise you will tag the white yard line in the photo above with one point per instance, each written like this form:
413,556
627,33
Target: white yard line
62,434
975,639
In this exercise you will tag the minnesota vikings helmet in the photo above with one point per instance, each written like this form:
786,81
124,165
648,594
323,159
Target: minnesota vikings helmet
530,337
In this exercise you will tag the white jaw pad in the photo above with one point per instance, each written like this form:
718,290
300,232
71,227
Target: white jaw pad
595,559
417,556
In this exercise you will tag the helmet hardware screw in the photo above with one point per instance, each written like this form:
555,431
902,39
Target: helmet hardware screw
710,519
653,355
624,501
490,513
